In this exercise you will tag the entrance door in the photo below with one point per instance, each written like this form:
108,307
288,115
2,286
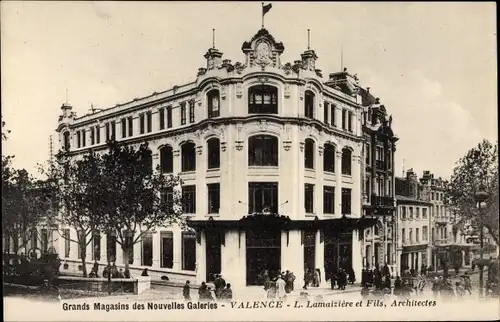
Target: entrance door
338,251
213,251
263,250
309,250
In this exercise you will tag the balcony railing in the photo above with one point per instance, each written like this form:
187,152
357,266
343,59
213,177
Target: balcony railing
377,201
380,165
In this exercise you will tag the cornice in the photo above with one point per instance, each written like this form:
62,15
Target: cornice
225,121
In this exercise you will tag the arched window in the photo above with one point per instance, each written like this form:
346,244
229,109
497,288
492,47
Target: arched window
309,154
263,150
213,103
329,158
213,145
262,99
346,161
167,159
309,104
67,141
188,157
147,159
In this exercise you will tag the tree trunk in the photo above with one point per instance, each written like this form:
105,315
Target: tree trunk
126,254
83,252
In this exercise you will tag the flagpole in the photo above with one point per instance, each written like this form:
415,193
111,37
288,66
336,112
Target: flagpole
262,15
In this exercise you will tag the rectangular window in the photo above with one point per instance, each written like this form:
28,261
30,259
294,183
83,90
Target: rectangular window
417,214
417,233
45,241
403,236
410,236
432,195
84,138
344,119
111,247
92,136
113,130
183,113
34,238
169,116
346,201
161,116
368,154
191,111
129,241
130,126
329,200
333,110
425,232
349,121
262,197
188,251
213,198
326,107
96,246
411,212
147,249
67,242
149,122
97,134
309,198
424,213
167,249
81,238
108,131
189,199
124,128
141,124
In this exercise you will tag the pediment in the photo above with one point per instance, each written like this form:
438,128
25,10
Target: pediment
263,49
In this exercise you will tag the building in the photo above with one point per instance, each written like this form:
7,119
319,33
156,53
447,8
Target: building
414,244
449,242
379,243
272,160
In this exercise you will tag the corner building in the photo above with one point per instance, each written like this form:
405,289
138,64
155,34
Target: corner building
271,159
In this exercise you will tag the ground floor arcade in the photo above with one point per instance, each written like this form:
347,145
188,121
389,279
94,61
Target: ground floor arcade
242,250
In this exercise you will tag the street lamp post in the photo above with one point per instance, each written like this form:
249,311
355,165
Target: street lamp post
480,198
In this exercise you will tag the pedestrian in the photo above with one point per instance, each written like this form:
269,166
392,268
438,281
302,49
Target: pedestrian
272,289
266,280
96,268
202,291
352,277
186,291
315,278
120,274
280,285
227,293
459,290
365,292
219,284
398,286
333,279
306,279
423,270
385,270
467,283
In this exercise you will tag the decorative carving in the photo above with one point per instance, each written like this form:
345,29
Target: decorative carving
239,90
201,71
263,125
263,79
302,144
239,145
287,145
320,150
155,156
223,92
338,154
177,153
239,67
287,68
223,146
287,91
199,149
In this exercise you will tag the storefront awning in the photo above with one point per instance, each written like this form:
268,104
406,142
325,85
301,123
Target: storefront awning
275,221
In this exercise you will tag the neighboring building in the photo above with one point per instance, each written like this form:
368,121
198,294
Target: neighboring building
450,244
379,243
414,245
271,157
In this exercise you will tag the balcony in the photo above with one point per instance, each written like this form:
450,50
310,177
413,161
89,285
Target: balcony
441,220
377,201
380,165
441,242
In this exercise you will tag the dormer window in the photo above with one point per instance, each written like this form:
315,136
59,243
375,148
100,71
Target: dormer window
213,102
263,99
309,104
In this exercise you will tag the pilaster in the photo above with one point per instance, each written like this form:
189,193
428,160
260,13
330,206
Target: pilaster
319,256
177,260
357,259
156,250
292,255
201,262
356,187
201,188
338,182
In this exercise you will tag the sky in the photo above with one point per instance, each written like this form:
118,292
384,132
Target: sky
433,65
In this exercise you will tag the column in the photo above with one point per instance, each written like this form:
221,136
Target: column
156,249
177,263
463,257
356,189
231,266
419,261
357,259
319,256
338,182
292,255
177,160
201,263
